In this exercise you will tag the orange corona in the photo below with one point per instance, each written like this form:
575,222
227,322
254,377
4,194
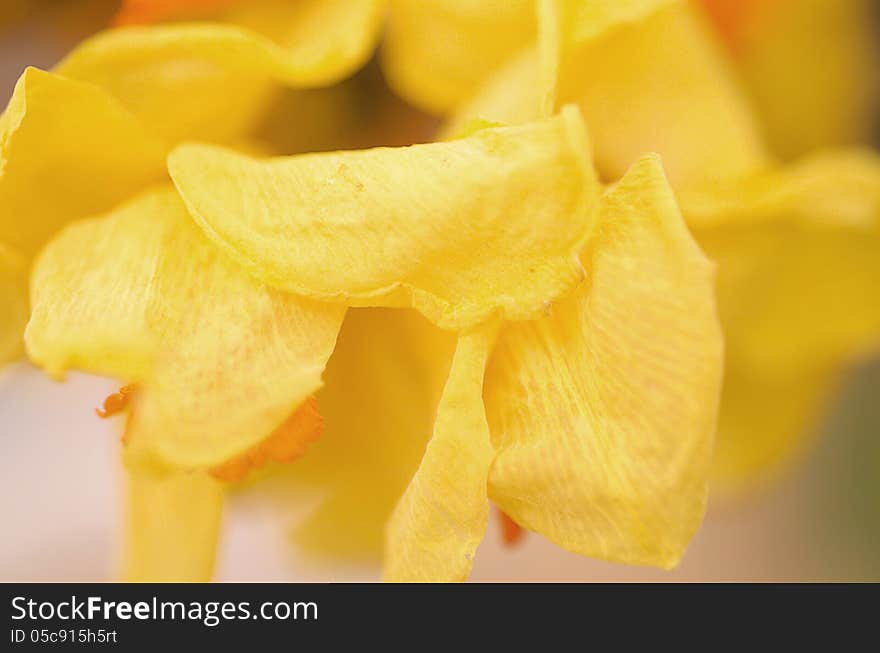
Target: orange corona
511,532
735,19
287,443
144,12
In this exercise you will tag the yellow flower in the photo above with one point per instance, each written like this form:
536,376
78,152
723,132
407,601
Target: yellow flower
140,295
810,67
562,358
796,245
150,88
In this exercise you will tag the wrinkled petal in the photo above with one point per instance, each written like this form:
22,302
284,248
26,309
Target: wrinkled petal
438,52
172,526
797,290
59,165
13,303
139,294
603,413
457,230
382,386
440,520
218,77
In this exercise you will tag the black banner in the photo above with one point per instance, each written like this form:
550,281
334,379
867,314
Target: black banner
129,617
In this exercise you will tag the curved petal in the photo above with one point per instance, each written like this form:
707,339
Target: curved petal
812,69
798,278
212,81
517,91
440,520
59,165
221,360
603,413
584,21
512,96
457,230
172,526
438,52
13,303
689,108
382,386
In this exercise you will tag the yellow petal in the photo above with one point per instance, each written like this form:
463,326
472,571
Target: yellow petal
213,81
382,386
797,288
517,91
67,150
514,95
583,21
812,69
13,303
172,526
603,413
689,108
437,52
457,230
440,520
140,294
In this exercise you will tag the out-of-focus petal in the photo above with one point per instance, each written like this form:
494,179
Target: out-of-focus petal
516,92
13,303
172,526
812,69
603,413
583,20
440,520
457,230
382,386
67,150
512,96
798,279
661,84
213,81
688,107
140,294
438,52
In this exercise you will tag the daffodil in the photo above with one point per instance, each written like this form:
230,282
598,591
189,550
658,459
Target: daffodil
810,67
221,360
796,244
512,331
152,87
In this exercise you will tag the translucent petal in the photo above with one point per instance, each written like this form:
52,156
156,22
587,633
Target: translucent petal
440,520
172,526
140,294
797,289
438,52
59,165
382,386
457,230
13,303
603,413
516,91
212,81
689,107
